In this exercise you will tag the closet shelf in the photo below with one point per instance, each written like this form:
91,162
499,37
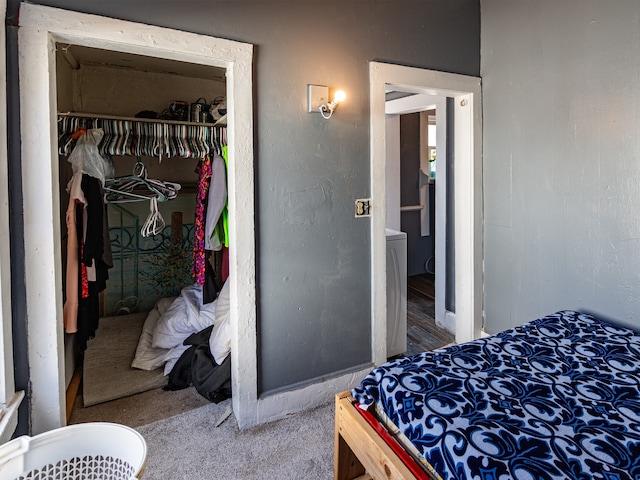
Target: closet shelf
99,116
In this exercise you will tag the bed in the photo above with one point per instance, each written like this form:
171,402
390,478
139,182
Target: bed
558,397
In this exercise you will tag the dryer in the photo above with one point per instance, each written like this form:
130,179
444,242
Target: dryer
396,292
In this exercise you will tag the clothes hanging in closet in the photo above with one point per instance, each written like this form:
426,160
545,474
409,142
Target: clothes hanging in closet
214,233
121,137
203,170
209,230
87,266
216,204
70,310
225,226
88,256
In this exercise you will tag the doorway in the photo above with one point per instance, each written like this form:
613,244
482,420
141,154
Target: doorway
465,94
419,197
150,261
40,29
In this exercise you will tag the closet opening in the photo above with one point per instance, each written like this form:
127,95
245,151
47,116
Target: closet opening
153,132
41,30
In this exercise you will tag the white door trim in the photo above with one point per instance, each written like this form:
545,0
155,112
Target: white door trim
40,28
444,318
466,92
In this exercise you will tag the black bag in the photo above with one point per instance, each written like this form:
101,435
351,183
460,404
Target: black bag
180,374
211,380
197,367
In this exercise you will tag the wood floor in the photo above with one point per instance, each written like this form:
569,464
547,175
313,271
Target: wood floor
422,332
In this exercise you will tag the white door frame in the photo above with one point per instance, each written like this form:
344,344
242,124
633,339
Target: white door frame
466,92
40,28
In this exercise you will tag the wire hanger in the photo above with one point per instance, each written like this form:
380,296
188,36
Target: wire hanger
154,224
134,136
126,189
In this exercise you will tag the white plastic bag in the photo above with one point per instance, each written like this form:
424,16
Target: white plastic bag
86,157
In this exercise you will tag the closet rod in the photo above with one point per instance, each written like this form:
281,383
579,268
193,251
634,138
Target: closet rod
99,116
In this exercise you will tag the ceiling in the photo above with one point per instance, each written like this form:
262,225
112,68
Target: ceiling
78,56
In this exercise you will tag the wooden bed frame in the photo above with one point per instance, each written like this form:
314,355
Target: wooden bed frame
360,450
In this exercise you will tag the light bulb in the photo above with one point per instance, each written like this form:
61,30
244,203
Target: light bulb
339,96
327,110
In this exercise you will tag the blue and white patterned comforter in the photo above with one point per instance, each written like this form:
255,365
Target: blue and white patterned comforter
558,397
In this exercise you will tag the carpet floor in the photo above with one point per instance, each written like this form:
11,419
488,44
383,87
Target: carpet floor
184,443
189,446
107,372
141,409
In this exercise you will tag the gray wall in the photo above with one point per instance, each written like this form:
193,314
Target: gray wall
313,255
561,90
419,249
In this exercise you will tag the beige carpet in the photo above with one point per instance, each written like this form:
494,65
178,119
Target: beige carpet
140,409
189,446
107,372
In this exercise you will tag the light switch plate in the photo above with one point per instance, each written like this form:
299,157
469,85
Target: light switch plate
317,95
363,207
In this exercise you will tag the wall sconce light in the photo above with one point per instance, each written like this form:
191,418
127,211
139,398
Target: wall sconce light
318,96
327,110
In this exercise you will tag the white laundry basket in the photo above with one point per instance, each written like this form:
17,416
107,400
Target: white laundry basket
87,451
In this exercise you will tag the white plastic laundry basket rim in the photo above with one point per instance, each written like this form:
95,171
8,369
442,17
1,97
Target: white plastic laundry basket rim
25,453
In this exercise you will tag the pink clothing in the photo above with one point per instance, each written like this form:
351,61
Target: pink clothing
70,309
199,255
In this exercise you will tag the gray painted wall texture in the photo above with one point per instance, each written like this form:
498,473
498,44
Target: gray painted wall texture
420,250
314,290
561,90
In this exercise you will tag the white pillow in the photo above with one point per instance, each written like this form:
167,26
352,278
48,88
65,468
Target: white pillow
163,304
146,356
223,304
185,316
220,339
170,325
